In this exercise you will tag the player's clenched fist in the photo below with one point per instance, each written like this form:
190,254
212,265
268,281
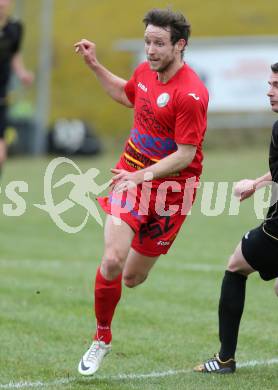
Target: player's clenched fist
245,188
88,50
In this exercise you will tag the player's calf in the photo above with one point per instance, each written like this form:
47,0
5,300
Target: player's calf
133,280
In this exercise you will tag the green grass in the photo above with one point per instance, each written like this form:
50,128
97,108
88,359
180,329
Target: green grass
168,323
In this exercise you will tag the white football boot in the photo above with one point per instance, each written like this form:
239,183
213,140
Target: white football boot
92,359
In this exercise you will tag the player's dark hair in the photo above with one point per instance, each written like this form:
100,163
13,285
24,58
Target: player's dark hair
274,67
179,26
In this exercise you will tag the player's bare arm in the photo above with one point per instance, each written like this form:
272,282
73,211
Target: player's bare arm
22,73
167,166
112,84
247,187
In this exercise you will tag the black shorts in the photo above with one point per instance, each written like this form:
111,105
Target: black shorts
261,251
3,119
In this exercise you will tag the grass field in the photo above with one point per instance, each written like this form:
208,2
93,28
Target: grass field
168,323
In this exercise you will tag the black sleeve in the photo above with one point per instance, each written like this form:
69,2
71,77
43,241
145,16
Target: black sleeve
275,134
18,34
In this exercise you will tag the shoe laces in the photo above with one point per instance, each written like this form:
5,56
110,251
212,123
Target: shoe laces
93,351
214,358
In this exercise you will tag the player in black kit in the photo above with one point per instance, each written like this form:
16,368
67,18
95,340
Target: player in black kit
258,251
10,60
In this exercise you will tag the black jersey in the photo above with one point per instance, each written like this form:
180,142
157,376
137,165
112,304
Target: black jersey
10,41
271,223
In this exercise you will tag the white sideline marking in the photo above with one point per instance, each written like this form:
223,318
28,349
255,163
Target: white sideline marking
55,263
30,263
119,377
198,267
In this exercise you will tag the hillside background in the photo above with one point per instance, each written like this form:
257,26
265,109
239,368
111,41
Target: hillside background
75,91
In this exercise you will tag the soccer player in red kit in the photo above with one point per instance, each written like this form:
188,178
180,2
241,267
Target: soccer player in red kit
162,154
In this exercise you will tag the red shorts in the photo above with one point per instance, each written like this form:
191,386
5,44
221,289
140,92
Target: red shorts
155,213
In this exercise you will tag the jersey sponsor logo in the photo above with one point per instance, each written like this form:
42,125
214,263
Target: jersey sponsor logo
143,87
147,120
163,99
154,146
194,96
163,243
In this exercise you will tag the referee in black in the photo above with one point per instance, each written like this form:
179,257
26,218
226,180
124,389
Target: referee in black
11,32
257,251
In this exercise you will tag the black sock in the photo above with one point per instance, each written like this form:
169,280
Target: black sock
230,310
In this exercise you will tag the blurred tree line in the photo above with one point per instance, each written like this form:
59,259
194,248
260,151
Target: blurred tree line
75,92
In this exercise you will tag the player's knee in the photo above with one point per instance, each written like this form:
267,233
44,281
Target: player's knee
132,280
112,263
236,264
276,290
276,287
233,265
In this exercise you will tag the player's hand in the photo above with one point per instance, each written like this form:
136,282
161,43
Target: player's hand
87,50
244,189
125,180
26,77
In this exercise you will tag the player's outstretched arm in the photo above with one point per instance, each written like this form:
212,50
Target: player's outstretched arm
246,187
113,85
22,73
173,163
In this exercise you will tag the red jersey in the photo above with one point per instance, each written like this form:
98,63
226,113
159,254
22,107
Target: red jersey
165,114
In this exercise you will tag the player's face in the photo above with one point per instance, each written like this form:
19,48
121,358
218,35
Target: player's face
160,51
273,91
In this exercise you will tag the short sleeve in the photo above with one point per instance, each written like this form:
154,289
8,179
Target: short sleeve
275,134
18,37
190,120
130,89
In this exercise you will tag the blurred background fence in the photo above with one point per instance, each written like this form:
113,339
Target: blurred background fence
232,47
